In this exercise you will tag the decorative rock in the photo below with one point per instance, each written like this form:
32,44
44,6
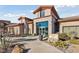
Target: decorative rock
17,49
53,38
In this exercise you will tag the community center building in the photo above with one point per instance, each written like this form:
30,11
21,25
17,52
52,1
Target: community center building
46,22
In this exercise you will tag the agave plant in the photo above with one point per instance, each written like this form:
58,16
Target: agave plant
5,41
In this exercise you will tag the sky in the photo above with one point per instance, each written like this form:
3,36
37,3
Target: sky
13,12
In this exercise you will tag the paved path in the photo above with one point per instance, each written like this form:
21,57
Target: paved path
40,47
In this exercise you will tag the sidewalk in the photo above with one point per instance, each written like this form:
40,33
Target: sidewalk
41,47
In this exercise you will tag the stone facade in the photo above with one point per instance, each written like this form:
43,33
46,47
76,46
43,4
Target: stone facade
53,38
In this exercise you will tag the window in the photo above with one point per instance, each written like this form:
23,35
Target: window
42,13
42,28
70,29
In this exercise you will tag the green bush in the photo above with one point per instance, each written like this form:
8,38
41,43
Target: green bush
61,44
73,35
63,36
74,41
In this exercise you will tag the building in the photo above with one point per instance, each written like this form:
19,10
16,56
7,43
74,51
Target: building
69,24
46,21
28,24
22,28
3,28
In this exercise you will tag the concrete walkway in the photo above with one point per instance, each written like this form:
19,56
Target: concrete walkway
40,47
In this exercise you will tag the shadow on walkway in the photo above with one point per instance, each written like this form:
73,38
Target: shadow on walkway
26,50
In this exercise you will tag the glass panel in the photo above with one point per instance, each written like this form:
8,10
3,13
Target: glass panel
77,29
43,28
42,13
69,29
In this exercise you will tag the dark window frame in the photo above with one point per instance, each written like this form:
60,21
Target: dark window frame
42,13
37,26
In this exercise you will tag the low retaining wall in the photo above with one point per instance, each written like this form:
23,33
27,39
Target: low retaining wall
27,38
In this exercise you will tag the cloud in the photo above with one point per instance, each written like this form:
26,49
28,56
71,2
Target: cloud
74,14
68,14
14,15
58,6
31,11
64,6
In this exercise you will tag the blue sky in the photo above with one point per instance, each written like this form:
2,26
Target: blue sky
13,12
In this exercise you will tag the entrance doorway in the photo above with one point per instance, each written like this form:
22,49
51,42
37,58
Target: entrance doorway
42,28
43,31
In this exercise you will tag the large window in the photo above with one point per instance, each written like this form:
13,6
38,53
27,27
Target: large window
69,29
42,28
42,13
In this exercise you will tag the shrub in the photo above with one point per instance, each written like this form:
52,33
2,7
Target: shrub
63,37
72,35
61,44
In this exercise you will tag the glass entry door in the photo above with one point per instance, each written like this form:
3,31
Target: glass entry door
43,31
42,28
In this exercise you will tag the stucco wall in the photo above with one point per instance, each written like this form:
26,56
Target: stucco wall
37,14
21,29
47,12
50,21
10,30
30,29
22,21
17,30
13,30
72,23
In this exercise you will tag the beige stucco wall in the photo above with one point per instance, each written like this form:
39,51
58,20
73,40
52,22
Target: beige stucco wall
50,21
15,30
72,23
22,21
47,12
37,14
30,29
10,30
